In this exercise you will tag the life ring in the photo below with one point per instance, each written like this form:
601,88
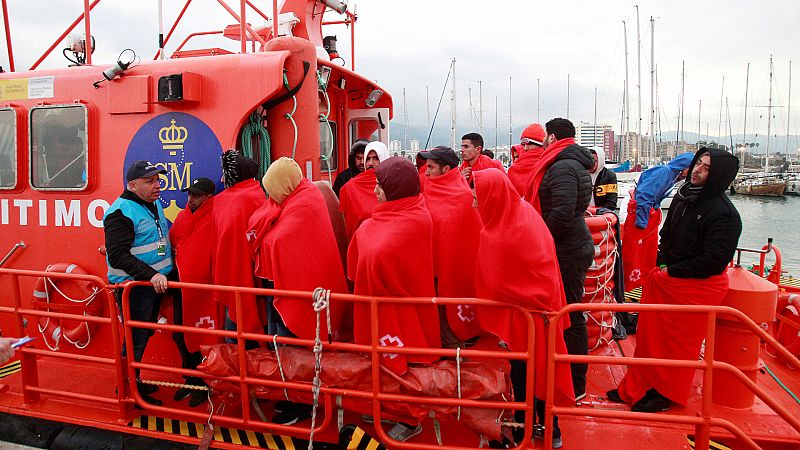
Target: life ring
68,296
788,333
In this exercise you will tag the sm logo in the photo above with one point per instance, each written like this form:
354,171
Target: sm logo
185,147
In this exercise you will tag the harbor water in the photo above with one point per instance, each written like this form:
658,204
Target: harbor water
775,217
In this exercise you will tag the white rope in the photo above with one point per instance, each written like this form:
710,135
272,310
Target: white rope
87,301
458,379
321,301
280,366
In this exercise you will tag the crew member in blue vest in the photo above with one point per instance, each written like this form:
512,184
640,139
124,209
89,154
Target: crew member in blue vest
138,248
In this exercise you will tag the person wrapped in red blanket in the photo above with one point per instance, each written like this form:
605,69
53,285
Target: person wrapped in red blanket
517,264
391,255
456,226
473,158
193,235
357,197
233,265
293,245
531,152
698,240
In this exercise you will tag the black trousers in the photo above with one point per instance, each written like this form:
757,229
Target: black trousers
144,304
519,371
573,268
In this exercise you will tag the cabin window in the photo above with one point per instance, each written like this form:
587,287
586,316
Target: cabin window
8,148
328,150
59,147
368,129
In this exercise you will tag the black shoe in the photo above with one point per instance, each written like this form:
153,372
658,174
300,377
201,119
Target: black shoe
652,402
297,413
183,392
146,389
149,399
198,398
283,405
613,395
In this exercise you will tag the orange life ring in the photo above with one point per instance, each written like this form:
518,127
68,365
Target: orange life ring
66,296
788,333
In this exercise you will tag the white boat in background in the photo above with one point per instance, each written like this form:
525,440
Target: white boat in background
793,184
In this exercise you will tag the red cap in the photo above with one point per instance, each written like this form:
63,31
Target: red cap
534,133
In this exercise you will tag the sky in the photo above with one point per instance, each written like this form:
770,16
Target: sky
409,45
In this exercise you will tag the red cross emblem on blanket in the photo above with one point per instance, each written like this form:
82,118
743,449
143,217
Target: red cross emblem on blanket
466,313
388,341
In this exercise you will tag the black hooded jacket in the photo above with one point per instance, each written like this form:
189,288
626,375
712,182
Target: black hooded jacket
702,228
352,170
564,196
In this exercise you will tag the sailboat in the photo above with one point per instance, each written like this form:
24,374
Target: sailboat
762,183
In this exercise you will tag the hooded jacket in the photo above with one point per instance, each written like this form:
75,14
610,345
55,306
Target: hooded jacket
655,184
702,229
351,171
564,195
604,183
357,198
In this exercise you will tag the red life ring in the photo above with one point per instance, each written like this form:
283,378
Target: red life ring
66,296
788,333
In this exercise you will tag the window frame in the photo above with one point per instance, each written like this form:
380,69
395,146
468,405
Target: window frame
15,148
31,131
334,127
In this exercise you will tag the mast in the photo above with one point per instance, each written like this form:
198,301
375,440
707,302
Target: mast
730,130
453,106
428,106
789,109
405,122
769,113
683,93
510,132
652,145
622,123
594,137
699,115
638,84
627,128
721,96
480,106
538,105
496,134
567,96
746,89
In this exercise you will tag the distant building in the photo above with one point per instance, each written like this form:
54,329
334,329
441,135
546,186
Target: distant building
395,145
591,135
414,145
628,149
669,150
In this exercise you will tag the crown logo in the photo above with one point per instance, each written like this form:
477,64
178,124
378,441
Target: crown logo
172,137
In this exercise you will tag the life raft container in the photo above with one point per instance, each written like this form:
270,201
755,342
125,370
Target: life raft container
72,296
599,282
788,331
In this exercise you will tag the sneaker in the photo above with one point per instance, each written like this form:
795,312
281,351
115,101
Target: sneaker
538,433
146,388
182,393
580,397
401,432
282,405
147,398
368,418
296,413
613,396
652,402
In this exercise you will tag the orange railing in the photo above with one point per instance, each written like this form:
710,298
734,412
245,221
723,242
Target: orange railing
29,355
704,421
244,381
129,395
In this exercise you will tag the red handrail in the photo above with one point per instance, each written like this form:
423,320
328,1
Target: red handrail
703,423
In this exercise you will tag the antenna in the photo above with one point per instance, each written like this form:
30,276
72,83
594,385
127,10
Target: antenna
638,84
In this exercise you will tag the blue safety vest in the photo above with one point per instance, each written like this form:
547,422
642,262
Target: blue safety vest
149,234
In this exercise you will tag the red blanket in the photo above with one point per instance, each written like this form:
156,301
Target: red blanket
641,246
520,172
193,237
233,265
537,175
456,229
482,162
517,264
670,335
391,255
357,200
293,245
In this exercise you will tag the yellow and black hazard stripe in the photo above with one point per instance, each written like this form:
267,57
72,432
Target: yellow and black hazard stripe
711,444
221,434
355,438
789,281
10,369
634,295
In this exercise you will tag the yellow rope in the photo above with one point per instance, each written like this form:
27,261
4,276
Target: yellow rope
176,385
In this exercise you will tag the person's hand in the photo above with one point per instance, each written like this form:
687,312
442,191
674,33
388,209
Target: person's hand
6,349
159,282
664,269
466,171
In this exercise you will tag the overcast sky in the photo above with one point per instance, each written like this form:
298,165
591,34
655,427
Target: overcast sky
409,44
